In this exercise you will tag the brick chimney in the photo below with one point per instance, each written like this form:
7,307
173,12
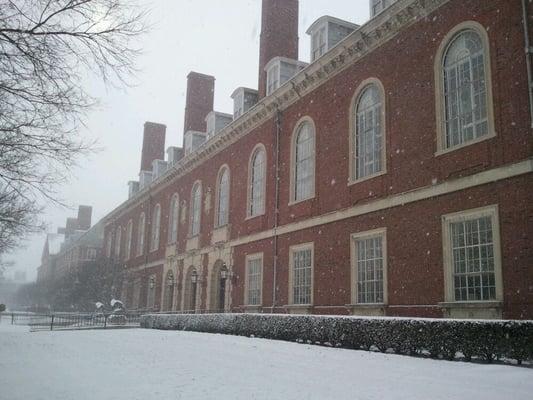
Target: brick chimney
279,35
153,144
199,102
84,217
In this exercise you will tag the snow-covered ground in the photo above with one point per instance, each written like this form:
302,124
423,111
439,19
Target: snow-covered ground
148,364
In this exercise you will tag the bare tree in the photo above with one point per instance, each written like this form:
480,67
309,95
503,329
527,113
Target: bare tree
47,49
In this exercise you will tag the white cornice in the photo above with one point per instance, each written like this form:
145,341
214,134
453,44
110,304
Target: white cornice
354,47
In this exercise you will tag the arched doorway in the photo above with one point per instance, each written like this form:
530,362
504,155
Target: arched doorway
219,277
170,285
190,290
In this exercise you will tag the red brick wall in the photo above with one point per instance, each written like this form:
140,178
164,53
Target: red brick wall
405,66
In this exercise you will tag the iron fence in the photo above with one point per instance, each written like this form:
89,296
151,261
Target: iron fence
62,321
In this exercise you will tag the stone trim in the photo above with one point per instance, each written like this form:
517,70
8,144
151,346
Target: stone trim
373,34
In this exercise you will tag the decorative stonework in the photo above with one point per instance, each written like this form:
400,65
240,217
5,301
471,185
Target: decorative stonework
361,42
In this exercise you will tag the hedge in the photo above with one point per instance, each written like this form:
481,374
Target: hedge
437,338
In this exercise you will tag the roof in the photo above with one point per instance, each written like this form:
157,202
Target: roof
333,20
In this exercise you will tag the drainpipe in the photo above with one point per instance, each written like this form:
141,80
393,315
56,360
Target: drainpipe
529,51
276,210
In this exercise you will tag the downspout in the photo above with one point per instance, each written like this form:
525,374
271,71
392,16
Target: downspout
529,51
276,210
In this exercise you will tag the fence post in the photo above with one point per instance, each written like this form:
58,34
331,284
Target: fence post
12,318
52,323
105,321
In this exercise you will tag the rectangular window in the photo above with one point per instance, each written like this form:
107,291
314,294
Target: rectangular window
254,271
272,79
318,43
302,274
472,255
369,258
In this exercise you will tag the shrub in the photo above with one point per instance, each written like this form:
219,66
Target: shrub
438,338
2,307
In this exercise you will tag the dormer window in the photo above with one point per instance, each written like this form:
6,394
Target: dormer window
216,121
192,140
243,100
279,70
318,43
377,6
272,78
326,32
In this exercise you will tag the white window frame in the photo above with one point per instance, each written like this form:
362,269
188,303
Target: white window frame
355,237
222,220
129,237
250,211
316,49
295,249
173,218
118,242
109,244
353,173
195,213
273,78
448,219
140,234
155,228
440,102
250,258
294,162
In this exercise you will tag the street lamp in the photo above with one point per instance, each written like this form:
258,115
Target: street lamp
224,272
152,283
194,277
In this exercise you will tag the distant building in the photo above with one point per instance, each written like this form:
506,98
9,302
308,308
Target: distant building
72,247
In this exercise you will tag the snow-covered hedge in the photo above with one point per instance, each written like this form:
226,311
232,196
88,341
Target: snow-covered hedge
444,338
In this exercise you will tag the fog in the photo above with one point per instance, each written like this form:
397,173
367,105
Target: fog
214,37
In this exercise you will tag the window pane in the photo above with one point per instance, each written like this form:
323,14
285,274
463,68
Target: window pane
473,259
369,259
368,133
254,281
465,97
302,277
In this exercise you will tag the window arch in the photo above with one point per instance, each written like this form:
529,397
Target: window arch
303,161
118,237
257,181
464,93
129,232
222,197
196,209
140,235
156,227
173,219
368,131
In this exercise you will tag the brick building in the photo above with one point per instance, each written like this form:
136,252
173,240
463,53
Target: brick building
72,247
390,176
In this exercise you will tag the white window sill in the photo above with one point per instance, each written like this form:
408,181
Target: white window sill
480,139
366,178
472,309
250,217
367,310
299,308
294,202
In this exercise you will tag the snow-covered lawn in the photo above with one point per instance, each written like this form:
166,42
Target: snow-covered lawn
148,364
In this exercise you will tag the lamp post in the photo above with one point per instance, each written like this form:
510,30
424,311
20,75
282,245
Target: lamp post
194,282
222,291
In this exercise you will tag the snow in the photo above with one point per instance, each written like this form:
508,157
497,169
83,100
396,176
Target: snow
150,364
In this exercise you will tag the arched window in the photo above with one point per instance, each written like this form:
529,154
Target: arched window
256,189
173,219
118,237
196,209
222,209
464,84
369,140
140,235
129,232
303,167
156,226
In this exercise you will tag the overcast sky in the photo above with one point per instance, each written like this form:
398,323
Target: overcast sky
215,37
